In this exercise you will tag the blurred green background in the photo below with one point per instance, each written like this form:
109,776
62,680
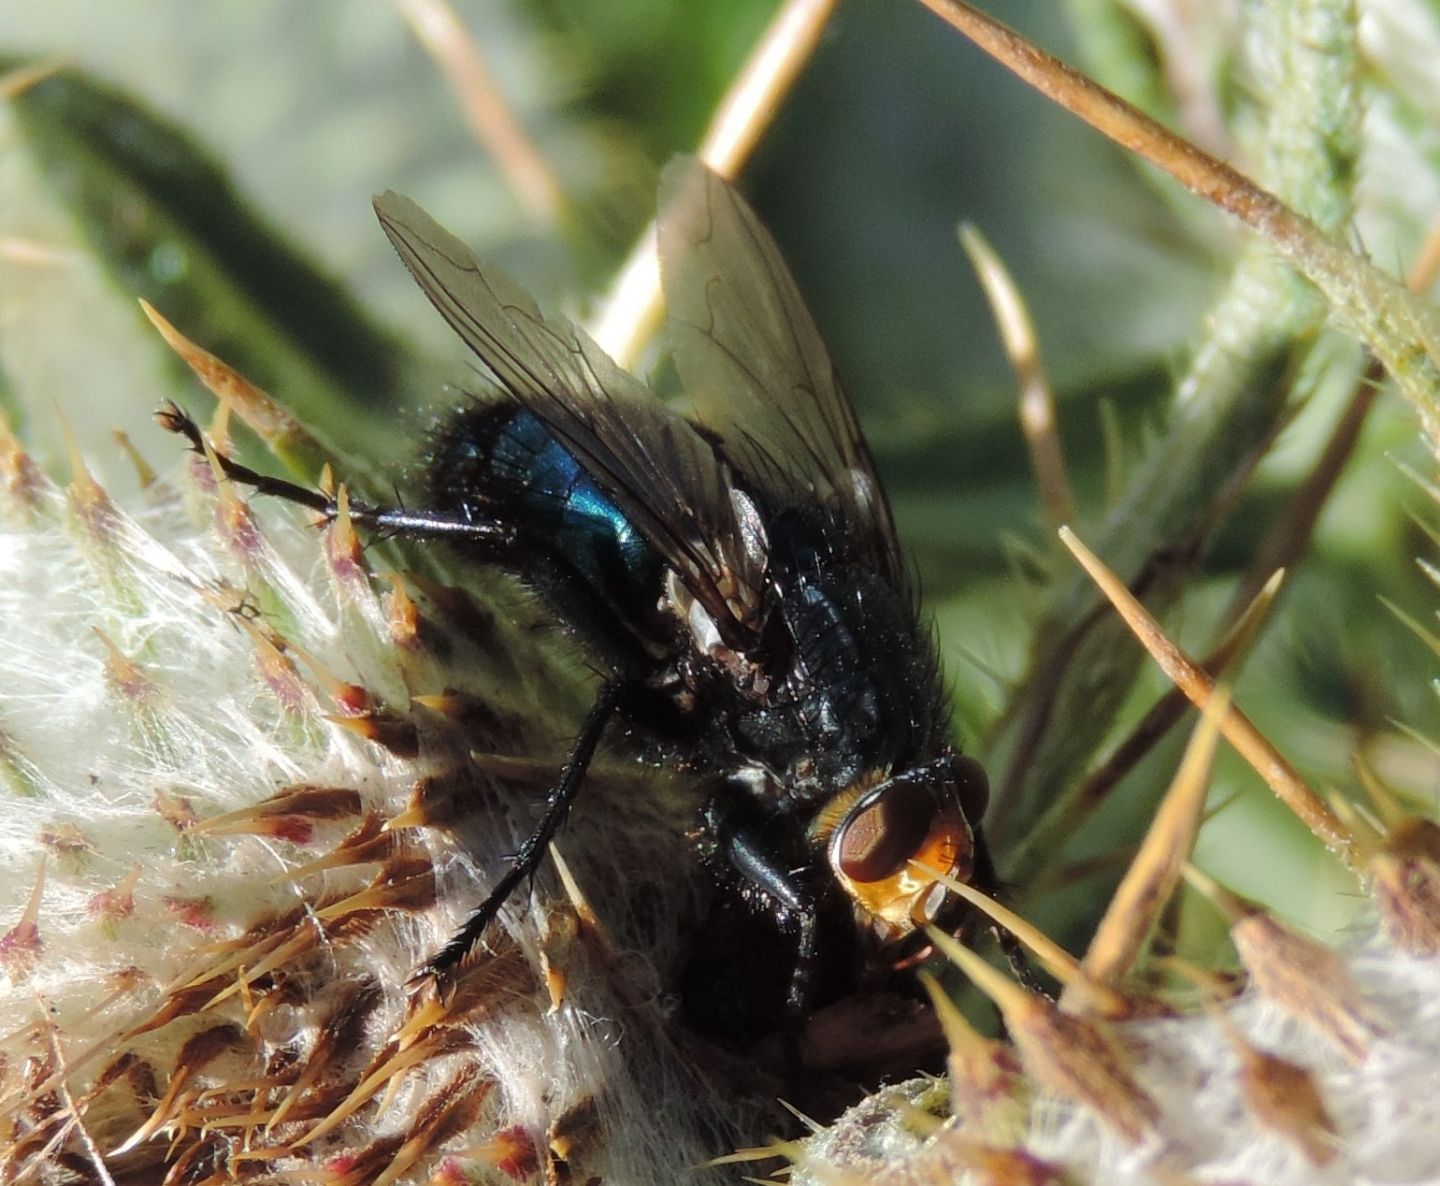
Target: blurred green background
897,132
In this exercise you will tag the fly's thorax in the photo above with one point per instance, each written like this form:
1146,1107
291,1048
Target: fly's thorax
861,681
702,645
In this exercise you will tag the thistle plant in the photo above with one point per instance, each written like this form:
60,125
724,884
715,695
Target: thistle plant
256,769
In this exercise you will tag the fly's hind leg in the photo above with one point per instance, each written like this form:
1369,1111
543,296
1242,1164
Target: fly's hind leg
456,953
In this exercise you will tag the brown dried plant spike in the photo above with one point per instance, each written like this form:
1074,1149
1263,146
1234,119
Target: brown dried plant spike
23,484
1406,886
76,1114
1238,730
1169,708
991,1165
1371,305
21,945
1293,972
1284,1097
985,1078
1157,867
286,812
1075,1057
1037,401
87,499
1401,852
631,312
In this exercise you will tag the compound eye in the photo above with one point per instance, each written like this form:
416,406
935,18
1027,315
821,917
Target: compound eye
883,831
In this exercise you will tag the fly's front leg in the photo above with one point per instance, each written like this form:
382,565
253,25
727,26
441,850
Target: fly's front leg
523,864
495,537
744,838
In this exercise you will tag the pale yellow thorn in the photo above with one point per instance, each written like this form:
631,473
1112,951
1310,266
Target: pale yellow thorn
1278,773
14,83
581,904
29,253
1368,832
1037,403
1059,962
631,312
1231,905
487,112
1382,798
1156,869
1238,637
1009,997
787,1149
959,1033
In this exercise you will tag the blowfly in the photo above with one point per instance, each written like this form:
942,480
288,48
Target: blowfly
733,571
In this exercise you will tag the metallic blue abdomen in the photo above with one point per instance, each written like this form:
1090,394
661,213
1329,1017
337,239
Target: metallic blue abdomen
585,525
499,463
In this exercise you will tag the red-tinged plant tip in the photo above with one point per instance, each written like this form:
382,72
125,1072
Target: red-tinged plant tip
390,731
1406,886
290,814
953,1154
91,509
277,671
196,912
65,841
176,810
402,615
1402,861
117,903
235,524
125,677
21,946
24,487
344,553
263,415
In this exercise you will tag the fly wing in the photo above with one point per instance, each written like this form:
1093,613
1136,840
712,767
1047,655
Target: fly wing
753,363
663,474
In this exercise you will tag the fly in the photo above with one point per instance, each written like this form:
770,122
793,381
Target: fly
734,572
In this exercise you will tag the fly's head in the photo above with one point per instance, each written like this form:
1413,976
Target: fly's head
890,839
